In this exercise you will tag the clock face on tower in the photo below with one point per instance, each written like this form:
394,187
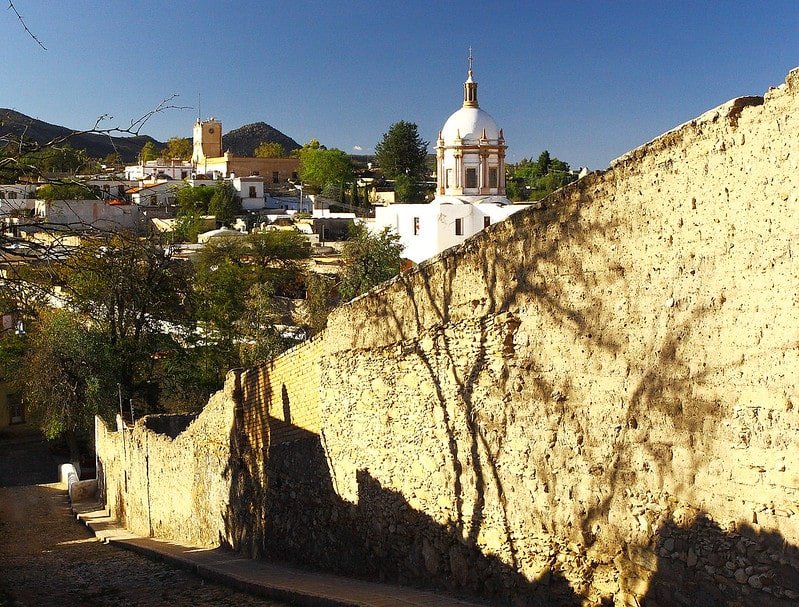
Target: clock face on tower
211,130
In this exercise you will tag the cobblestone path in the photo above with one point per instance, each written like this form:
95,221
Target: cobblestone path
47,558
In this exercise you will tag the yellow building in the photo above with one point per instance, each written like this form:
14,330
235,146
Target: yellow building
208,158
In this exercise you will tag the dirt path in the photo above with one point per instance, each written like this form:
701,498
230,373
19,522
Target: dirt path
47,558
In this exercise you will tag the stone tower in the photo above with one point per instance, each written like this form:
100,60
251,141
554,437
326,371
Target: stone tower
207,140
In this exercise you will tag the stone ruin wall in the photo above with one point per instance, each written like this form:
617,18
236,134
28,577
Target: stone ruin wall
594,401
176,489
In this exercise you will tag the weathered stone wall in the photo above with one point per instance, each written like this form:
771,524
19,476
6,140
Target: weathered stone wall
176,489
591,402
604,390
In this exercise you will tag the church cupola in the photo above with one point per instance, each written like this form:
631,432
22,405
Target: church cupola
470,151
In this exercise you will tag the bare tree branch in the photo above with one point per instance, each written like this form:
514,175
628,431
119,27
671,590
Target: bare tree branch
22,21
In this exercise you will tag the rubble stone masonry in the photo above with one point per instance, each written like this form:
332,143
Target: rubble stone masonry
594,402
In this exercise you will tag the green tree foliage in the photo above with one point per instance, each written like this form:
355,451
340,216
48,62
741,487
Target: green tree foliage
194,199
126,289
320,167
534,179
369,260
402,151
235,280
224,203
57,159
270,149
73,373
148,152
321,297
405,189
313,144
178,148
187,226
261,339
65,191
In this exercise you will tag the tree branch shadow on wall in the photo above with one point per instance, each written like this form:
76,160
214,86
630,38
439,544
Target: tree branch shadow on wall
547,276
690,562
379,538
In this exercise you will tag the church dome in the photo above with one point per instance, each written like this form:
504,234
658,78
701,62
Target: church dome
468,123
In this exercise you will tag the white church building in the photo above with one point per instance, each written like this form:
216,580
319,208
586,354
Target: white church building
470,190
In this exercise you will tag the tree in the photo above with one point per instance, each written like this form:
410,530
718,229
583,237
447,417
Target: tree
148,152
65,191
369,260
534,179
187,226
402,151
405,189
320,167
224,203
321,297
261,338
194,199
73,374
129,290
270,149
177,148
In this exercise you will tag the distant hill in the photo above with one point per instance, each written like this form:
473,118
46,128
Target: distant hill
244,140
15,125
241,141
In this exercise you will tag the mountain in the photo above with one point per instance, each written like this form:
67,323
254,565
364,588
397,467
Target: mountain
15,125
241,141
244,140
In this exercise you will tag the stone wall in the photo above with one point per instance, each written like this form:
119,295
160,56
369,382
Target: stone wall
603,391
177,489
590,403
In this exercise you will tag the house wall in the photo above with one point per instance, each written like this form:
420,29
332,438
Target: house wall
83,214
594,402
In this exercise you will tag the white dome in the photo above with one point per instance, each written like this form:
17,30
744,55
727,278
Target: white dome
469,122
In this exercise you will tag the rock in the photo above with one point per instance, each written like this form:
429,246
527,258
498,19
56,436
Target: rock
755,581
741,577
692,558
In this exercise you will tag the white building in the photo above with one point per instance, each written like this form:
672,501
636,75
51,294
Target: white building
470,191
16,199
79,215
154,170
160,194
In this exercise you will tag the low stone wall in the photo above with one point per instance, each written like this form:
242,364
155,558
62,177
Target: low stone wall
594,402
173,488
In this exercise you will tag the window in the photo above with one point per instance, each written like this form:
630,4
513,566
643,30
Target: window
471,178
252,191
275,177
486,221
448,180
459,227
492,177
107,189
12,195
415,226
184,174
120,190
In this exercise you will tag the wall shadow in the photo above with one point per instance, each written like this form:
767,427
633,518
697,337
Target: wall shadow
696,563
297,517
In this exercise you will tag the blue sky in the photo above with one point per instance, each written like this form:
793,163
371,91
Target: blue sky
586,80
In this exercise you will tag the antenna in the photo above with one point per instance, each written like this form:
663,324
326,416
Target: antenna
199,105
470,59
